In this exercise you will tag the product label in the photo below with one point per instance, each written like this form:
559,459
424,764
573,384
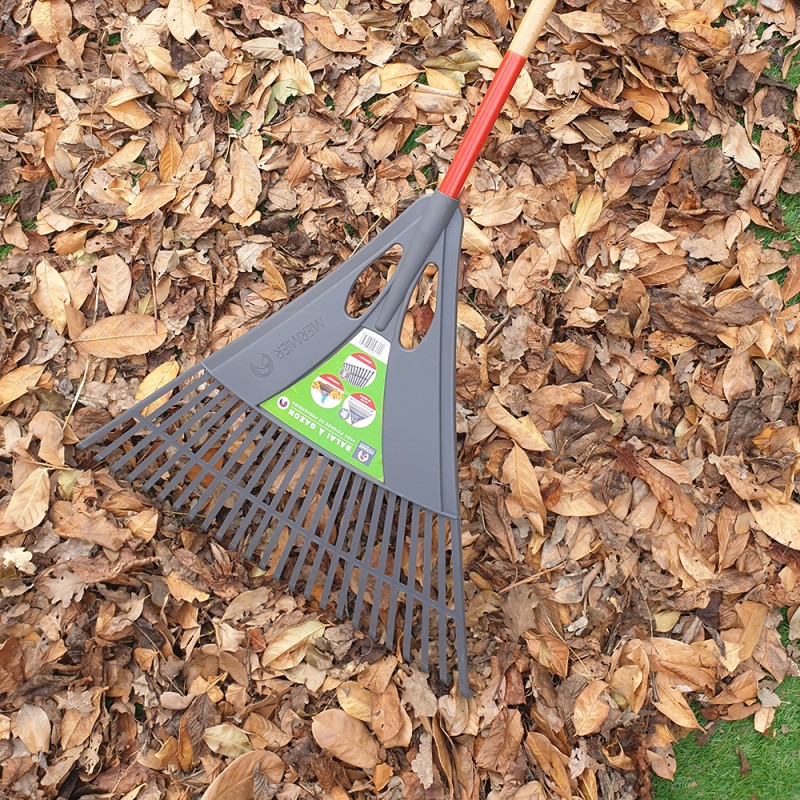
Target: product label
339,405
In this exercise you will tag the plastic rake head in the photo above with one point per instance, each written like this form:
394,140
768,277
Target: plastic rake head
328,531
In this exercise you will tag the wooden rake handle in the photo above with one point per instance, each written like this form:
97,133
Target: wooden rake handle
499,89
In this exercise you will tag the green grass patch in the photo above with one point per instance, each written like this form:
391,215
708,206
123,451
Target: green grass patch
5,251
237,123
413,140
715,771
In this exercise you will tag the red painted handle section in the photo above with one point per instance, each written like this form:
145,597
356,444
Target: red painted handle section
478,131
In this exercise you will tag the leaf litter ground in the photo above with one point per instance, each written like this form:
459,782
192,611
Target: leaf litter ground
627,387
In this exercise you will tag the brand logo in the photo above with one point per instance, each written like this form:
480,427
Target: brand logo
283,402
364,453
299,338
262,369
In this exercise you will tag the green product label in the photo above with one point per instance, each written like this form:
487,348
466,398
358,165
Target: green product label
339,406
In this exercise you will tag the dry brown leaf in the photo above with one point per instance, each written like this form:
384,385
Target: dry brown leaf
779,520
525,496
30,500
246,182
19,382
345,738
591,709
180,19
523,431
114,280
500,747
227,740
236,782
32,726
183,590
496,211
280,655
51,19
151,199
670,702
121,336
355,700
51,295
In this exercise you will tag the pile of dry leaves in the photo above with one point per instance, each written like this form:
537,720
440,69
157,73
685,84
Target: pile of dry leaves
172,172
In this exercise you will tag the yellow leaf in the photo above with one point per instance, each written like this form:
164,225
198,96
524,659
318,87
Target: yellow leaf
114,280
289,640
496,211
32,725
152,382
169,159
472,319
236,781
591,710
51,19
355,700
30,500
296,72
394,77
122,335
51,295
345,738
130,113
180,19
246,183
227,740
780,521
183,590
523,431
672,703
525,496
150,199
19,381
588,210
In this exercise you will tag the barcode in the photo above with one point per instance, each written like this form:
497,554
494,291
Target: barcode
373,344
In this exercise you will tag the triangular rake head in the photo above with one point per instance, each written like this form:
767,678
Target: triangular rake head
377,541
341,538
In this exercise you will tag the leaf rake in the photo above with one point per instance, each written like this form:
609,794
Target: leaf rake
320,448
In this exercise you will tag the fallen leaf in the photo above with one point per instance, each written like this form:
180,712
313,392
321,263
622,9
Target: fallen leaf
19,382
236,781
121,336
227,740
345,738
591,710
30,500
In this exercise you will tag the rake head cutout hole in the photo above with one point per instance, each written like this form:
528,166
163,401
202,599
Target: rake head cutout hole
421,308
372,281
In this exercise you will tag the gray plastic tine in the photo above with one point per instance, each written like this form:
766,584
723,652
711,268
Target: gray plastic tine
313,459
344,528
174,439
334,476
188,446
355,545
308,532
205,448
296,527
344,480
412,581
382,577
124,437
396,583
458,613
162,433
301,456
441,596
259,468
292,453
427,604
366,562
133,412
255,422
